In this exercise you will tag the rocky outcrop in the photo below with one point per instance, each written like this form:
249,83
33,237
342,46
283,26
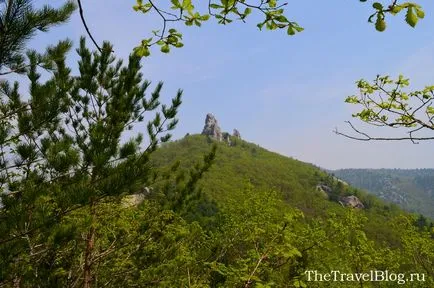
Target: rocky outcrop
352,201
227,138
346,201
134,200
324,188
212,128
236,134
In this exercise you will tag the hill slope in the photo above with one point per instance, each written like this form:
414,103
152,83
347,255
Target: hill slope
276,217
241,163
297,182
412,189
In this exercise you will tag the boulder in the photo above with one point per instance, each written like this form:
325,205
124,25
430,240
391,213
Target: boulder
352,201
137,198
132,200
324,188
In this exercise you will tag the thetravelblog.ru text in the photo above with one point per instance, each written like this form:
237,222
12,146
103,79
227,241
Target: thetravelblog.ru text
370,276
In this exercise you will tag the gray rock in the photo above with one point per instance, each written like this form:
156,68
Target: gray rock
137,198
212,128
132,200
236,134
226,138
352,201
324,188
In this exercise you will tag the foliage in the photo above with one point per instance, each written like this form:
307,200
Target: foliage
19,22
319,233
193,13
254,240
61,150
387,103
325,227
66,172
413,13
258,233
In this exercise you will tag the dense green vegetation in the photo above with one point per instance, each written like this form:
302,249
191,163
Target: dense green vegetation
248,165
412,189
251,219
83,205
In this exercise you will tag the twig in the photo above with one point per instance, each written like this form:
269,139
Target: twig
366,137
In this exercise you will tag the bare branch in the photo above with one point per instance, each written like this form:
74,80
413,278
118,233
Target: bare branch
365,137
87,28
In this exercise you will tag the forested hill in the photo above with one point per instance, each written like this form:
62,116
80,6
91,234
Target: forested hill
227,213
241,163
249,194
412,189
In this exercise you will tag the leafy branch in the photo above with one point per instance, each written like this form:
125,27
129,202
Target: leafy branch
385,103
228,11
224,12
412,16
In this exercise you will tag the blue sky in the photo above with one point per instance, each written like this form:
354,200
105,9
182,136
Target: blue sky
284,93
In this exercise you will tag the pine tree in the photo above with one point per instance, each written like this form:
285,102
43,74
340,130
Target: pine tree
62,150
19,22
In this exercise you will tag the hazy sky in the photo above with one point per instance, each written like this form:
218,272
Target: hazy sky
283,93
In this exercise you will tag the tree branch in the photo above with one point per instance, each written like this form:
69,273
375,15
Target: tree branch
86,27
365,137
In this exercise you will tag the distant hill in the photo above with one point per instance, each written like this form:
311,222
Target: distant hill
412,189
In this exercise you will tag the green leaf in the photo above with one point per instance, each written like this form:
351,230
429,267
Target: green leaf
352,99
396,9
204,17
411,17
420,14
298,28
142,51
165,49
380,24
377,6
282,18
215,6
176,4
430,110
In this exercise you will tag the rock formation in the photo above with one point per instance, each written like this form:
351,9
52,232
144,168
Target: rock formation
236,134
324,188
226,138
212,128
352,201
134,200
